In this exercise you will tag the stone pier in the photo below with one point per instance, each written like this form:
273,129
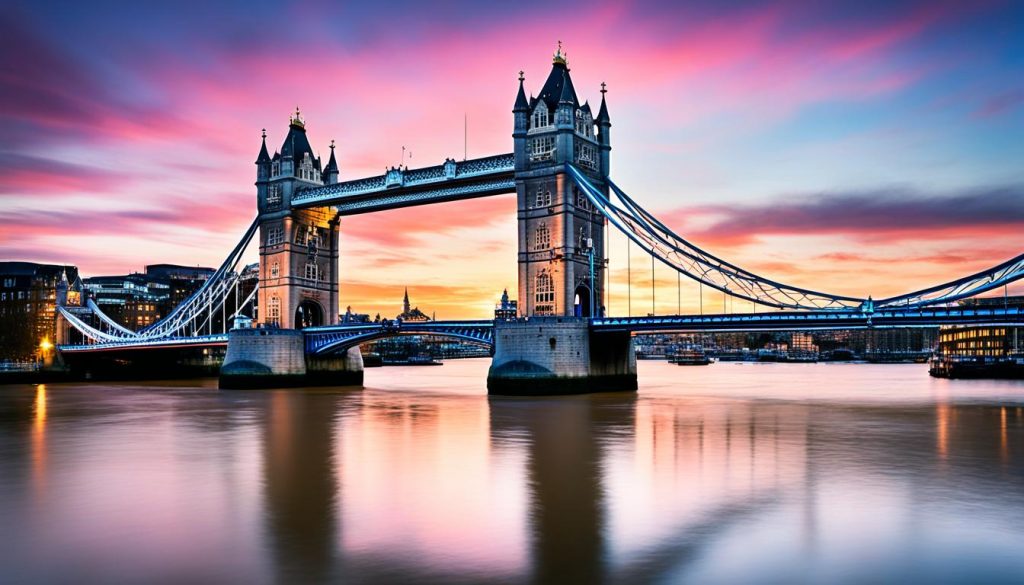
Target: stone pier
276,358
559,355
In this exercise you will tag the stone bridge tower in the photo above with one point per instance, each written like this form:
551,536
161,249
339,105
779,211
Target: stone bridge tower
298,284
558,230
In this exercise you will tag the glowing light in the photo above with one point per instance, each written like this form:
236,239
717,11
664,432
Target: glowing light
45,344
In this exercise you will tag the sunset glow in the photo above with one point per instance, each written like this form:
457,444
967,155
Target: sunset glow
855,152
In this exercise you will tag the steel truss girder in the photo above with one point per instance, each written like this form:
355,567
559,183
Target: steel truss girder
332,338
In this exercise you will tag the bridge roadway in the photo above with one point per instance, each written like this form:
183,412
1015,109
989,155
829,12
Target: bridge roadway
331,338
451,181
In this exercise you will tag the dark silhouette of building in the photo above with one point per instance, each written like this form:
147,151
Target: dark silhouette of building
29,293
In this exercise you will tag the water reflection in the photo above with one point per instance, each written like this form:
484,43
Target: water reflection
300,487
441,484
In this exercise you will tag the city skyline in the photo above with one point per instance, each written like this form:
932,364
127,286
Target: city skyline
803,143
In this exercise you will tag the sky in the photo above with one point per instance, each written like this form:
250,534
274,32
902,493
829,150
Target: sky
851,147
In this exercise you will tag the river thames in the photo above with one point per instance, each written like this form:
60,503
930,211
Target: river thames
731,473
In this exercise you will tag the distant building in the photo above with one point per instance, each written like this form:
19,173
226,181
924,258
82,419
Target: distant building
350,317
133,300
138,300
29,293
506,309
411,315
983,341
182,280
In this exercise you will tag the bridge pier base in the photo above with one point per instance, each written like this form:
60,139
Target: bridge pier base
276,358
559,355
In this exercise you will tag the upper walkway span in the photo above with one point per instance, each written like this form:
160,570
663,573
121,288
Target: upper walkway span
401,187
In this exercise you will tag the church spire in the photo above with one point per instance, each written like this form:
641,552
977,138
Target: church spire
405,302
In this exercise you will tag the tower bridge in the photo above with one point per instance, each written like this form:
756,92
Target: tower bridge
562,340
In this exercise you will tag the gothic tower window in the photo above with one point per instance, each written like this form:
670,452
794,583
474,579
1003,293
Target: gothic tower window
275,270
542,148
312,271
543,198
542,239
274,310
581,200
274,194
540,116
587,157
300,234
275,236
544,297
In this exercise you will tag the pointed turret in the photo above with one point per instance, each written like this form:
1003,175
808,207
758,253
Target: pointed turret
405,301
602,114
331,171
521,104
604,128
264,156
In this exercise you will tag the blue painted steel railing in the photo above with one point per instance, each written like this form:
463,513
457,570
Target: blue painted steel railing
330,338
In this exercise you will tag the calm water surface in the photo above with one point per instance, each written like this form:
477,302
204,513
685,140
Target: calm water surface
733,473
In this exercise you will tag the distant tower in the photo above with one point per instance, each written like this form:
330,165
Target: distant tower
556,222
298,248
405,302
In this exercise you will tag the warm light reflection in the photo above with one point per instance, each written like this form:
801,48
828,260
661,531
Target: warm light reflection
39,437
942,429
1004,450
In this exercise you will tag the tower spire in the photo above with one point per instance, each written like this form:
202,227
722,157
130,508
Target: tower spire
263,157
521,104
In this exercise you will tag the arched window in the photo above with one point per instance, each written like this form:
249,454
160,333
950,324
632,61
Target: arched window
312,271
544,295
274,310
275,270
542,237
540,116
543,198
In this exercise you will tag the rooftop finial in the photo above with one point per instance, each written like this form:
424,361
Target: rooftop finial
264,134
521,76
332,144
560,57
297,120
604,88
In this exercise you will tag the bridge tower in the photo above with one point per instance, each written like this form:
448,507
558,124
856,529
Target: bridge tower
561,252
298,284
558,230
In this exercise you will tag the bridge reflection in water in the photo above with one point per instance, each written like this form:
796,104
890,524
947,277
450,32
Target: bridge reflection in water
439,483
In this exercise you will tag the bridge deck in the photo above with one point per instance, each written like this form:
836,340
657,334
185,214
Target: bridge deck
451,181
332,337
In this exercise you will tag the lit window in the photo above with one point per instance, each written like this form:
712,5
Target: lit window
274,310
544,296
